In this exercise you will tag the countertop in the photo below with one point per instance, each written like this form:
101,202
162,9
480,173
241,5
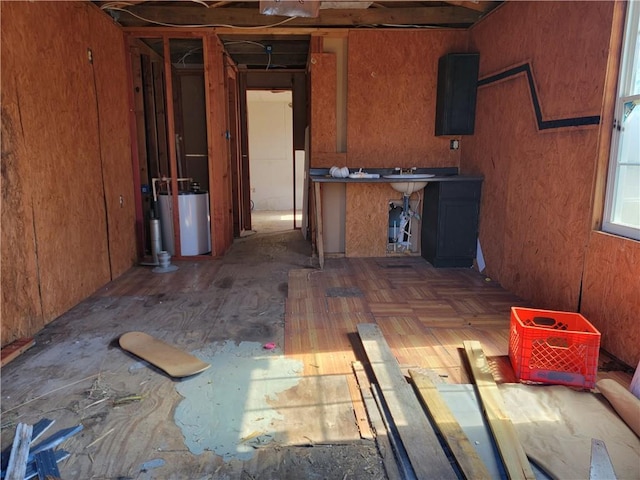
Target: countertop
447,174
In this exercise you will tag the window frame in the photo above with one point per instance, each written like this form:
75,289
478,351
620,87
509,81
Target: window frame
625,75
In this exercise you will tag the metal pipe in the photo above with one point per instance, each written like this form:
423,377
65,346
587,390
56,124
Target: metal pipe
156,240
166,180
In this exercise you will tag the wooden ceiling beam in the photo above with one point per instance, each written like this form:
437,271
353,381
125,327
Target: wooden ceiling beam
471,5
248,17
481,7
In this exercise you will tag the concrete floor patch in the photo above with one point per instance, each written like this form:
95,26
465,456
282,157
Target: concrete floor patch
225,408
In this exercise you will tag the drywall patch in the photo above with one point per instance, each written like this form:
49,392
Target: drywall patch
226,408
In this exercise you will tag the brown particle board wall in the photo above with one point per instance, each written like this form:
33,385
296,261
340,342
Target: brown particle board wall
115,144
66,161
323,107
611,293
391,103
536,211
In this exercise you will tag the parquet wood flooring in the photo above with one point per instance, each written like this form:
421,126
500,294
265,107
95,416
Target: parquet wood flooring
424,313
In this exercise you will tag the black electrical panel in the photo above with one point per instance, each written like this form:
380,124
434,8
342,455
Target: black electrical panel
457,88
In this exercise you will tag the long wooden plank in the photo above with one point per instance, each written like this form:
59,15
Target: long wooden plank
319,233
403,462
382,439
513,456
423,448
466,455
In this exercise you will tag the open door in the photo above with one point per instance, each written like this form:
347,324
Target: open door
290,161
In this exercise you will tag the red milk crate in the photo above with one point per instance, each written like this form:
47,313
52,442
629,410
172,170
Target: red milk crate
553,347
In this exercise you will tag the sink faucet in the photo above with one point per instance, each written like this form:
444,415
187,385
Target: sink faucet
404,171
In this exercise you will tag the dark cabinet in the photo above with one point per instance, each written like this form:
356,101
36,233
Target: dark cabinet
450,222
457,88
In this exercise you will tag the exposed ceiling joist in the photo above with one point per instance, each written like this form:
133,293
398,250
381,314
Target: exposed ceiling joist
279,42
477,6
243,17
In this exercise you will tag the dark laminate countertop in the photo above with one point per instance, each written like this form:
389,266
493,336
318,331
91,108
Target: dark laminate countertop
449,174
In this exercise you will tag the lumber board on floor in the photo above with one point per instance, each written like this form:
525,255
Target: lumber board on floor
513,456
319,231
11,351
47,465
466,455
19,452
403,462
423,448
382,436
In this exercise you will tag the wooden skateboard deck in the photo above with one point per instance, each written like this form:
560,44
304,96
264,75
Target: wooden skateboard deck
172,360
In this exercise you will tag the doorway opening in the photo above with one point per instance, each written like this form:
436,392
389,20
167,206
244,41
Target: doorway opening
276,168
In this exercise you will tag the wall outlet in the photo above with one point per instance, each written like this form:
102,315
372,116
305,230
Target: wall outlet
454,144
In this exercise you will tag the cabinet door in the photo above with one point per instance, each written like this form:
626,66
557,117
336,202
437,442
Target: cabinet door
457,87
458,227
450,223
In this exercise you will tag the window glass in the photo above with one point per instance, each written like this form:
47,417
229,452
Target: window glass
622,208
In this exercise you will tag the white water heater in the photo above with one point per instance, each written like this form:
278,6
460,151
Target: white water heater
195,231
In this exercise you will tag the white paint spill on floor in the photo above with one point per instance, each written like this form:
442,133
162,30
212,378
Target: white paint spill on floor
225,408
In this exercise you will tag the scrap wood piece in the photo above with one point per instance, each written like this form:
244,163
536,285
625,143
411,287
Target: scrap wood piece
427,457
32,470
513,456
403,461
11,351
38,430
625,403
19,452
47,466
383,441
319,233
601,467
54,440
465,453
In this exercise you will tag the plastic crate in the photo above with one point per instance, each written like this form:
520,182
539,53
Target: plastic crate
546,346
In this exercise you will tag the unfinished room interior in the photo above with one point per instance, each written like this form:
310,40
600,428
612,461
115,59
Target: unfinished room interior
320,239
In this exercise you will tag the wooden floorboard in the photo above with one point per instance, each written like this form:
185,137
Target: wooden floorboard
424,313
76,367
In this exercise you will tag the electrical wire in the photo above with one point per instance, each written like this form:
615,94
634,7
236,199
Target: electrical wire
269,64
201,2
113,5
235,42
187,54
219,25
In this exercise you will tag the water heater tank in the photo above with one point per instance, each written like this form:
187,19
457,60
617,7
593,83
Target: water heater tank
195,231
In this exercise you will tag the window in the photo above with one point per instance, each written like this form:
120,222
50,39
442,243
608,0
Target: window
622,207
